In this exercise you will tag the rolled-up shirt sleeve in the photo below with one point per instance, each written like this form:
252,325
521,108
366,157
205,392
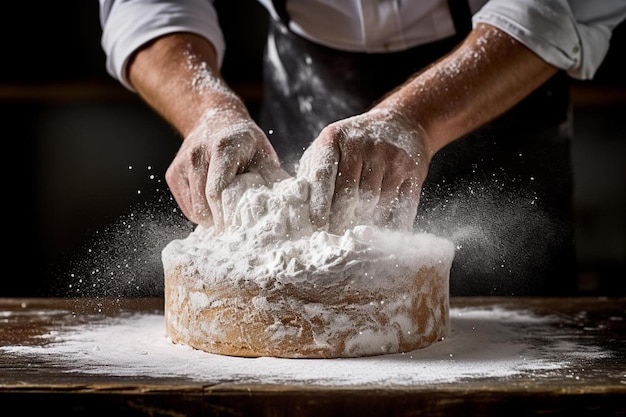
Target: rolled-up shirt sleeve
571,35
129,24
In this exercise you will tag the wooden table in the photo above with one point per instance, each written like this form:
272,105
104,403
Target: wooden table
30,385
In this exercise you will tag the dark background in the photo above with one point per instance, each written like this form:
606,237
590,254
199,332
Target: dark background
87,209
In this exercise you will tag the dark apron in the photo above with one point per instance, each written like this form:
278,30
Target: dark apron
503,193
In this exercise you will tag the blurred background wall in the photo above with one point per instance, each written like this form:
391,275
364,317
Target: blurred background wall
86,206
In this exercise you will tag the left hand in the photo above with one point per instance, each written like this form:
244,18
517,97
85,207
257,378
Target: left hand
366,169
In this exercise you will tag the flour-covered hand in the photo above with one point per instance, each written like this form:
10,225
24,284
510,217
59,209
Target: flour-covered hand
226,143
367,169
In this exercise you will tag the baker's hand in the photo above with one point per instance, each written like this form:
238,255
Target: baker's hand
226,143
367,169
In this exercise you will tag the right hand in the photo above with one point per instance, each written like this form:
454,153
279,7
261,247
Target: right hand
367,169
226,143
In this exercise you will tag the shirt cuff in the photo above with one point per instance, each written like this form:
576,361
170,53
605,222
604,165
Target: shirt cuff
551,31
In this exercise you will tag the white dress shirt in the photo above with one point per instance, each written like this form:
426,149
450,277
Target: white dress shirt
572,35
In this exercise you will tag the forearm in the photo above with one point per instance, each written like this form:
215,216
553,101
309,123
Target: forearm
485,76
178,76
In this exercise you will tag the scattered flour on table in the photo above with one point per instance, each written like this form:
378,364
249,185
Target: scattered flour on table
483,343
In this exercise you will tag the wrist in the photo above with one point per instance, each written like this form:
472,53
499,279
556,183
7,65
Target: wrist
223,120
399,108
177,75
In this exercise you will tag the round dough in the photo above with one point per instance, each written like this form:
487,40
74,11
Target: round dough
371,303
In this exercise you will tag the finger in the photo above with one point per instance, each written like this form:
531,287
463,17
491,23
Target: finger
370,185
179,187
322,174
200,209
345,198
402,214
186,181
221,173
388,198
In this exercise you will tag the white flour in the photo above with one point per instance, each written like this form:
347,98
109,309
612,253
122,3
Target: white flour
269,235
483,343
